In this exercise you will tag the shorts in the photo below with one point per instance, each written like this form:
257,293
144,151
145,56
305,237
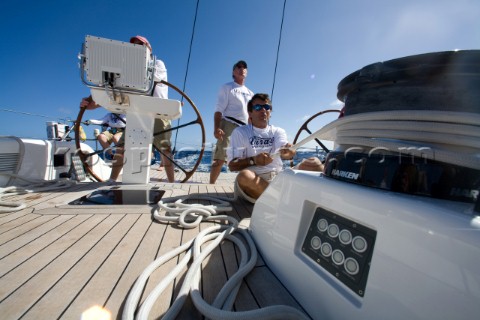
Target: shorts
222,145
238,192
162,140
111,133
267,176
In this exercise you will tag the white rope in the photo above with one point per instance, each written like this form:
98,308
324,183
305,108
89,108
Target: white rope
189,216
450,137
34,185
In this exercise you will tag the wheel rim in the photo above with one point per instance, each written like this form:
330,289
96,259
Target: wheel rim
197,121
304,127
83,156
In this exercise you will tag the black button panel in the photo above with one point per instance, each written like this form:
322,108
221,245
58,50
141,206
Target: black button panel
342,247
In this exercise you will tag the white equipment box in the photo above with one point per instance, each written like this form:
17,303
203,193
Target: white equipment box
129,65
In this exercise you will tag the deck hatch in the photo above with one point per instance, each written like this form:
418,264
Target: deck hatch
118,196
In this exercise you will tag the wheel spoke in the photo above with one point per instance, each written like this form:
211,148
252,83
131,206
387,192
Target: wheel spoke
304,127
197,121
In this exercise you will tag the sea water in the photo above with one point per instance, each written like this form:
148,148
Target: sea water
187,159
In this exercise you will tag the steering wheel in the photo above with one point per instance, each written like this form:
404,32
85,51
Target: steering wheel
304,127
84,156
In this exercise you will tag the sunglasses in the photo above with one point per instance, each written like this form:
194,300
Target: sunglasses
259,107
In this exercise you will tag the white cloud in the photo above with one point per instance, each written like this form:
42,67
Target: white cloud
337,104
427,25
303,119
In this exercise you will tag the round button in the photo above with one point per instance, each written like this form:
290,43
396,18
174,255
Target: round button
359,244
333,230
322,225
351,266
338,257
316,243
326,249
345,236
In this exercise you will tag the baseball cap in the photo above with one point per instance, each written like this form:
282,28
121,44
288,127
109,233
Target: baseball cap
240,63
141,39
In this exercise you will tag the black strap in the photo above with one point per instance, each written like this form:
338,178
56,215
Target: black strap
237,121
119,118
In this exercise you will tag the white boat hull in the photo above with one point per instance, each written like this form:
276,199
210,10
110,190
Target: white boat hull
425,257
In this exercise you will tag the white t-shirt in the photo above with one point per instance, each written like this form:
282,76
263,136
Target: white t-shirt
111,120
232,101
161,90
248,141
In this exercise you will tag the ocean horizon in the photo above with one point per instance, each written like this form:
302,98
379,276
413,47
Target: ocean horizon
187,159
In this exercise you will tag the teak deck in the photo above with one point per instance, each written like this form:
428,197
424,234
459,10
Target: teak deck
57,262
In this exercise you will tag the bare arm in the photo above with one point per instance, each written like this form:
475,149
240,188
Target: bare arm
217,132
261,159
239,164
88,103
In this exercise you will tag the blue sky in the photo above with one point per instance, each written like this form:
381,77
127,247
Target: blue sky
322,42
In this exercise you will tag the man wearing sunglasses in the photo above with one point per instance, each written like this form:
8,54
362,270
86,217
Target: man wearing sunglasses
230,112
257,149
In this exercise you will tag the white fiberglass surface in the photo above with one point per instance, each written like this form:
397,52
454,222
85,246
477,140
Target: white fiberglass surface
424,264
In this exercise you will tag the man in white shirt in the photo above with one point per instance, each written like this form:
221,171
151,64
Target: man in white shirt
257,149
161,140
114,133
230,112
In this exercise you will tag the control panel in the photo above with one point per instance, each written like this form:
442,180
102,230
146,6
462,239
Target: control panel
342,247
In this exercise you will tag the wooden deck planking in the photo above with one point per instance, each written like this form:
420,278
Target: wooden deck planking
43,280
188,311
61,298
104,281
213,273
145,252
28,232
172,238
59,265
29,267
11,216
17,256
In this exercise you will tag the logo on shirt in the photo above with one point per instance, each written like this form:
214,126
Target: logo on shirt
258,142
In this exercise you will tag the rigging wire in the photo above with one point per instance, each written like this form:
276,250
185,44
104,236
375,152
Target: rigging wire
186,71
278,49
27,113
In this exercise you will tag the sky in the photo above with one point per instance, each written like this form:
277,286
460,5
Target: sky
322,41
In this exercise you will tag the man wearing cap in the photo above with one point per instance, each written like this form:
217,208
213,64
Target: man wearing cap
160,141
230,112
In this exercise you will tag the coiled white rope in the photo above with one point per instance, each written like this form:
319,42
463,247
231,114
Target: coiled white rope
450,137
34,185
189,216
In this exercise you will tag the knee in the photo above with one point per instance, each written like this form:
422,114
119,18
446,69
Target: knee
217,163
311,164
245,177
